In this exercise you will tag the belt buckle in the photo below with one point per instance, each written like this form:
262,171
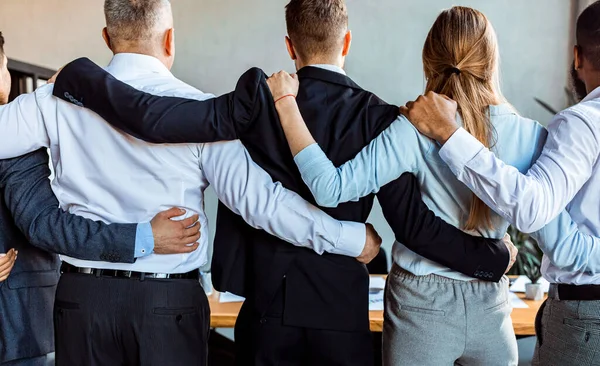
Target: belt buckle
160,275
85,270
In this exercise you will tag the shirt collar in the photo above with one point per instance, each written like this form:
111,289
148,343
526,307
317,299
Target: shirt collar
329,67
501,109
128,62
592,95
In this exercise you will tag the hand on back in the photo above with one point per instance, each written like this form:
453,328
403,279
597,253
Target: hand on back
7,262
372,245
283,84
434,115
175,236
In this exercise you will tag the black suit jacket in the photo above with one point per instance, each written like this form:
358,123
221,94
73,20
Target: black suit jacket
328,291
32,223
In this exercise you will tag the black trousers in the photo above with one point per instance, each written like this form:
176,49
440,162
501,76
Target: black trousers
106,321
263,340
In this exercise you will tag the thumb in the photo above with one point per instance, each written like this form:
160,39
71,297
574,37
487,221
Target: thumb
173,212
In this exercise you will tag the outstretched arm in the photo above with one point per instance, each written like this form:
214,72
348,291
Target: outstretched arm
27,193
567,247
158,119
531,200
383,160
249,191
420,230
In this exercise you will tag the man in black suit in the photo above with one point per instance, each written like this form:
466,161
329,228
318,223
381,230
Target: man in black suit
301,308
32,224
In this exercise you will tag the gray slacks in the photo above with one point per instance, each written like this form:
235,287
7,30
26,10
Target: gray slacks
436,321
568,334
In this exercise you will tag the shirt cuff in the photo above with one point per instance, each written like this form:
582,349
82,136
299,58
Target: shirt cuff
144,240
353,236
460,148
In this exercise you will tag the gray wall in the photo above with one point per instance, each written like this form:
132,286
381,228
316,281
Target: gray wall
218,40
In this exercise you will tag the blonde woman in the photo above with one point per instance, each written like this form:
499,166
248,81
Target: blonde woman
433,315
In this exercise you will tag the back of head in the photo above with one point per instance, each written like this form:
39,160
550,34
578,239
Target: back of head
588,34
137,25
317,27
460,60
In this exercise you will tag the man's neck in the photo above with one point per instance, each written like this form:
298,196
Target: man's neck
319,61
140,51
593,82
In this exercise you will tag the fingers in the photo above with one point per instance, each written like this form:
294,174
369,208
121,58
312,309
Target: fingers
7,262
192,230
5,273
171,213
185,223
185,249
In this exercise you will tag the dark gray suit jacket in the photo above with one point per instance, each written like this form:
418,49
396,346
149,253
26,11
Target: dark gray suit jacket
32,223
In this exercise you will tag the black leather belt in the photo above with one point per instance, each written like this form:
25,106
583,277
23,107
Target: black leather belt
574,292
67,268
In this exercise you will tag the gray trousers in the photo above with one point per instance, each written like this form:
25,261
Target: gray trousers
568,334
436,321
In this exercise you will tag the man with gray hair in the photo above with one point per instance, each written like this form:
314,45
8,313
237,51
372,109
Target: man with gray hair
154,311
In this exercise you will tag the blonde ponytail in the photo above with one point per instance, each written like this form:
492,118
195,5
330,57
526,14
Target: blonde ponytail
460,60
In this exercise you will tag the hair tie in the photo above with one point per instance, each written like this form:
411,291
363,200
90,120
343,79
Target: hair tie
452,70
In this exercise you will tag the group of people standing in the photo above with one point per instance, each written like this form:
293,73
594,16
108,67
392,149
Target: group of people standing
296,162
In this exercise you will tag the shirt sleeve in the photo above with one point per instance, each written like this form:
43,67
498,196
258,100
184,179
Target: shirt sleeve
27,193
529,201
22,128
144,240
567,247
249,191
386,158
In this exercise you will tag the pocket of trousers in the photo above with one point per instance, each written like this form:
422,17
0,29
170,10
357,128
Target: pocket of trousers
175,311
498,307
591,325
413,309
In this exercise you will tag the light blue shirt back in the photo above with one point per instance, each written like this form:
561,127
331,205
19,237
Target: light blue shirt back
517,141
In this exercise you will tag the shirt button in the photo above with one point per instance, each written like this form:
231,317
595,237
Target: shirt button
143,251
263,321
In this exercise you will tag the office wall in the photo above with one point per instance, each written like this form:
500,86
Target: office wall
218,40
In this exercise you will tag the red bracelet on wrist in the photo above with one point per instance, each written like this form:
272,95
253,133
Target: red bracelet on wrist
285,96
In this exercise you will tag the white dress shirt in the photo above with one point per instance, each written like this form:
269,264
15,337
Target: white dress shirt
106,175
565,175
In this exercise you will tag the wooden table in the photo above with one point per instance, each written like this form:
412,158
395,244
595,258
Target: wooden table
223,315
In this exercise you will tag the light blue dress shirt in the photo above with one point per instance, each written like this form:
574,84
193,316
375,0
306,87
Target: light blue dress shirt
400,149
144,240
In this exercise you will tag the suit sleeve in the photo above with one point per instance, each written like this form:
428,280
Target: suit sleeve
158,119
26,189
417,227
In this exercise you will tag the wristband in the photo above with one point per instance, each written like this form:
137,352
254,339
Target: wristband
285,96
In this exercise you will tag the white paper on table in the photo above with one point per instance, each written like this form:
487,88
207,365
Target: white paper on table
521,281
229,297
516,302
376,283
376,301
